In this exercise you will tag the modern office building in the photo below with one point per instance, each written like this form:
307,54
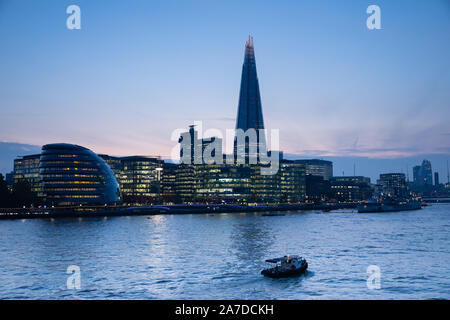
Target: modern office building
27,168
423,174
393,184
185,183
115,163
240,184
316,167
228,183
73,175
292,182
265,189
140,179
168,181
350,189
317,188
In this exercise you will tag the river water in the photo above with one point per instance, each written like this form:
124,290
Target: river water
220,256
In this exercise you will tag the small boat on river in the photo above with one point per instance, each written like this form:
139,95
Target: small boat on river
287,266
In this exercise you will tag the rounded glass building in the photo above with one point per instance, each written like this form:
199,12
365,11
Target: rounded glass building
73,175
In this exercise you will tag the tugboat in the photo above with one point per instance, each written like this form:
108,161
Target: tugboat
287,266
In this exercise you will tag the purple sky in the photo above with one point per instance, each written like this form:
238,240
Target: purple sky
138,70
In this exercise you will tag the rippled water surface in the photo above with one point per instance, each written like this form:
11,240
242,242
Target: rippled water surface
220,256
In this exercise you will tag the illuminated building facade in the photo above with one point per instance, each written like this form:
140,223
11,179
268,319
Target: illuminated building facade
393,184
185,183
350,189
115,163
222,183
73,175
292,182
27,168
316,167
168,180
140,179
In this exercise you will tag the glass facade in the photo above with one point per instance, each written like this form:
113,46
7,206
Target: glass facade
393,184
73,175
351,189
168,180
292,182
222,183
316,167
139,179
27,168
423,174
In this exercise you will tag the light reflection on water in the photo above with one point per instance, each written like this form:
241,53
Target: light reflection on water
219,256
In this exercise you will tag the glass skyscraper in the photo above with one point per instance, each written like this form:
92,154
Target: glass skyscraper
249,109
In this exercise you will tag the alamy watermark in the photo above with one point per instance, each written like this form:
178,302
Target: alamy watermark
74,280
242,147
74,20
374,280
374,20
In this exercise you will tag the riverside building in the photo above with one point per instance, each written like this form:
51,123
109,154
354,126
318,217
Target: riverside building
73,175
27,168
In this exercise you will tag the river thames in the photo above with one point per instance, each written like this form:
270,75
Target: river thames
220,256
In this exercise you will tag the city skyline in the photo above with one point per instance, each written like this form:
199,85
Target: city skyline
321,109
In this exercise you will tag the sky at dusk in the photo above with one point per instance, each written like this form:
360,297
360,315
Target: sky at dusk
138,70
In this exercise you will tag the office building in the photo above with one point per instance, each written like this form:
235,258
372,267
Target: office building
27,168
168,183
140,179
350,189
393,184
292,182
316,167
317,189
423,174
436,179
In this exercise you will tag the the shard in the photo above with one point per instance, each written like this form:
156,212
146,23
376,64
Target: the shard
249,110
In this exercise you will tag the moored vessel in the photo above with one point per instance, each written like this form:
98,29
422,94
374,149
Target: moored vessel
389,205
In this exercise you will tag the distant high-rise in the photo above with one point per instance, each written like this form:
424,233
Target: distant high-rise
249,110
423,175
436,179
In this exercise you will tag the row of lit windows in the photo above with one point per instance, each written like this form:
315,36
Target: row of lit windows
67,155
71,189
67,169
72,182
66,162
77,196
69,176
